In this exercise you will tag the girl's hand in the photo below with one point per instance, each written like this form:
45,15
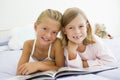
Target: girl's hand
72,50
31,67
85,64
28,68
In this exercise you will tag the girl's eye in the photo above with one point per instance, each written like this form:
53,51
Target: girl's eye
70,28
55,33
81,26
44,28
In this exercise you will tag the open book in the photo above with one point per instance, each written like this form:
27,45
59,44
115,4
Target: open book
62,72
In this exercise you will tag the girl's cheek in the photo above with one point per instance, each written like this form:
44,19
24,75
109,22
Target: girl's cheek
54,37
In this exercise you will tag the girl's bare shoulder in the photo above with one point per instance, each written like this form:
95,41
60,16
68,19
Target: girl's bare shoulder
27,48
29,43
57,41
57,44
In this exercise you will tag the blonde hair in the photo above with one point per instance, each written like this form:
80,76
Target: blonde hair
68,16
49,13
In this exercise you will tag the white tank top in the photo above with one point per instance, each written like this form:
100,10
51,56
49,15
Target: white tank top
46,59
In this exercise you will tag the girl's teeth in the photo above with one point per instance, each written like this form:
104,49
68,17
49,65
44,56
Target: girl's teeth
76,37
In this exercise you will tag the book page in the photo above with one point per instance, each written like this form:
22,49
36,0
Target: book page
67,71
38,75
71,69
100,68
43,75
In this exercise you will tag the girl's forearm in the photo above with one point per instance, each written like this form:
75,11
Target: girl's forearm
72,56
44,66
85,64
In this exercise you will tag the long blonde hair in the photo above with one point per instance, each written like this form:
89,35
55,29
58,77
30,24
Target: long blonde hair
68,16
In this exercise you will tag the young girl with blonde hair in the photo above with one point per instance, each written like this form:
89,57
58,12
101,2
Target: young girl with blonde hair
81,47
45,51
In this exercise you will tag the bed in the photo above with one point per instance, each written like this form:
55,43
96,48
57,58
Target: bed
11,48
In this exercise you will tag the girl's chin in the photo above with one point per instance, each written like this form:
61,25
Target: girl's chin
77,42
45,42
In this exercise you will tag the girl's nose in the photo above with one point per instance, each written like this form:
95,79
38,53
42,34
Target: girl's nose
77,30
48,34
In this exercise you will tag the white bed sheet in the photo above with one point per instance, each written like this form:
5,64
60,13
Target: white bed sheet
8,63
111,74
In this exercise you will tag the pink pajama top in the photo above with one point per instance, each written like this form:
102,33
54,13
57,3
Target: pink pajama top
96,54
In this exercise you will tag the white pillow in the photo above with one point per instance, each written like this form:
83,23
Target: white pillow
4,35
19,35
4,41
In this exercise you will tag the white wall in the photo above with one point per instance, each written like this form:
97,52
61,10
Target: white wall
16,13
